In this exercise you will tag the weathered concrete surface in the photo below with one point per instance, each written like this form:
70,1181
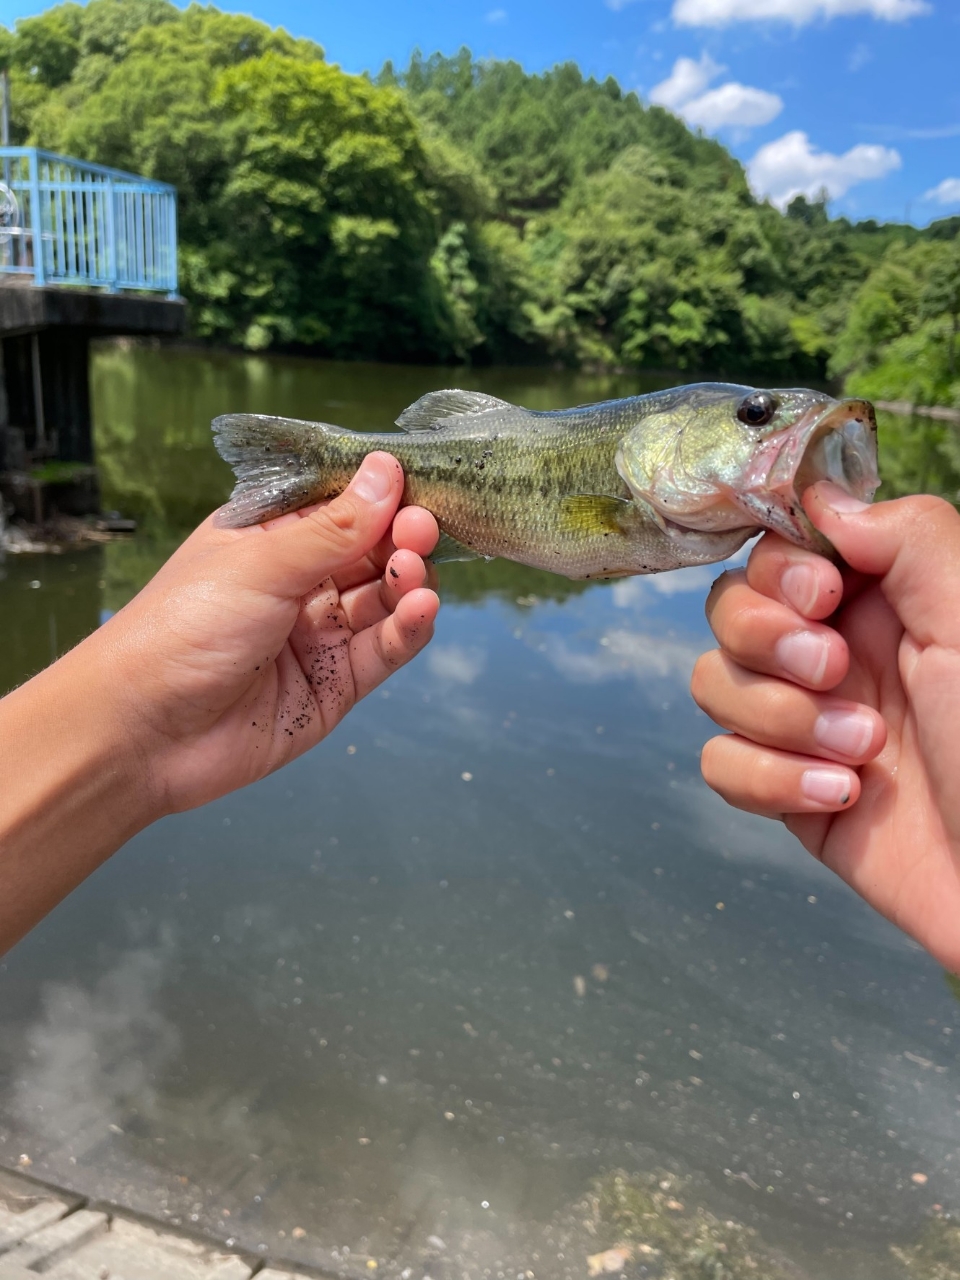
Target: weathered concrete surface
47,1231
90,1245
28,310
26,1207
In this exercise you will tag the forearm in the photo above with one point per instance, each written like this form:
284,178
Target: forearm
72,784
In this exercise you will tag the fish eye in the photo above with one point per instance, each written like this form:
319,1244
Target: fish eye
757,409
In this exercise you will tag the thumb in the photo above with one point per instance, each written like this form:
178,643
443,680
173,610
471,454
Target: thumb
297,553
912,544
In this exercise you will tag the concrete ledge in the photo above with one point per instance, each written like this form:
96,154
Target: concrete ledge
905,409
47,1231
26,1207
29,309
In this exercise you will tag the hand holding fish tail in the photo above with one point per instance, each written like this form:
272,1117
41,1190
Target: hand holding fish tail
284,626
841,692
247,648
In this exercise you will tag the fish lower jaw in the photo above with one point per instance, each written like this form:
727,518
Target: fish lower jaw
783,514
705,546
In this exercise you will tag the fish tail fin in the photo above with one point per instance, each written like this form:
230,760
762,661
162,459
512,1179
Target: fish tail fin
269,457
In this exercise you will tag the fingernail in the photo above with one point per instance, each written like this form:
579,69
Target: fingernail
373,481
825,786
848,732
800,587
804,655
837,499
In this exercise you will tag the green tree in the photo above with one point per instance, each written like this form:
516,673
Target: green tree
900,337
463,209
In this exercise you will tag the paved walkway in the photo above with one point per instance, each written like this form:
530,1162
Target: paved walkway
51,1232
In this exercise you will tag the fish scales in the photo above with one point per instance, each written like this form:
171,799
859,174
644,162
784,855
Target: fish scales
497,487
595,491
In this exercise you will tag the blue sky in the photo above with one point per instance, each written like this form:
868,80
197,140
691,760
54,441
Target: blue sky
859,96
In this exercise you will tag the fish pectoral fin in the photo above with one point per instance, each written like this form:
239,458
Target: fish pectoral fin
431,412
593,513
448,549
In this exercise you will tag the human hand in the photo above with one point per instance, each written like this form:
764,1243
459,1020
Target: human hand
250,645
842,695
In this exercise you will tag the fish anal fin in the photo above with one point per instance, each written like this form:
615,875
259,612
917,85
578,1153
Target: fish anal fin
593,513
431,411
448,549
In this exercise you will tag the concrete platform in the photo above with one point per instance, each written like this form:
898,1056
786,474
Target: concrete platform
50,1232
30,310
26,1207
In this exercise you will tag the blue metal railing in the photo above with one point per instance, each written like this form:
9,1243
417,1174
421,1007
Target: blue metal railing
66,222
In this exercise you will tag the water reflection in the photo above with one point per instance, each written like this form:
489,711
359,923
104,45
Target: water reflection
490,942
918,455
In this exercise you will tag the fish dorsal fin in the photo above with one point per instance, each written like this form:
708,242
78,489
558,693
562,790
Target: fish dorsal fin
592,513
431,411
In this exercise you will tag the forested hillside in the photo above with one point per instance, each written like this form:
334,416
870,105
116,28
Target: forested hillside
464,210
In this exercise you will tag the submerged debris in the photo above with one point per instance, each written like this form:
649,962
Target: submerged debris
60,532
610,1260
936,1256
645,1215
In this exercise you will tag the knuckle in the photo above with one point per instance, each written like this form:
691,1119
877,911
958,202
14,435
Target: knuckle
765,779
720,587
738,626
922,507
714,762
700,681
774,711
336,523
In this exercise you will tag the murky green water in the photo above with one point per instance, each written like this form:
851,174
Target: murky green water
492,940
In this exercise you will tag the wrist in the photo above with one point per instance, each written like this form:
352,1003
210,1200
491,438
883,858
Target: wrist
73,783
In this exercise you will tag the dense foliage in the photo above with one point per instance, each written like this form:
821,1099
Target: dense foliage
467,210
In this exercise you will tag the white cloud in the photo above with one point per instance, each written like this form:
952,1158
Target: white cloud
497,15
894,132
685,93
732,105
685,81
790,167
721,13
455,664
948,192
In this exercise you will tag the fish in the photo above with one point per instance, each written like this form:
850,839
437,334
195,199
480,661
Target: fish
637,485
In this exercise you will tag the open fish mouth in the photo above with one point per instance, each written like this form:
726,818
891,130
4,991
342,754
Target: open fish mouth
841,447
836,442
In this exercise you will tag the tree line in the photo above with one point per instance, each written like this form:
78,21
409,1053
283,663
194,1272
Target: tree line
465,210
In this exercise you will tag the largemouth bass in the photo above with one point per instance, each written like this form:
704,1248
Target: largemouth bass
639,485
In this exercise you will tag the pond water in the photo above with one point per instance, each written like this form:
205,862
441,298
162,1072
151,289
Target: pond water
405,1002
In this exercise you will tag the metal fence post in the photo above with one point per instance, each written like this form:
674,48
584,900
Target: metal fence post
173,267
36,218
111,237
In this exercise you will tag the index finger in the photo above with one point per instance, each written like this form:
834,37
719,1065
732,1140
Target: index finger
414,529
808,583
764,635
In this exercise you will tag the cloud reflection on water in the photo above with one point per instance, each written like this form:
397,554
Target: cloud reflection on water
94,1053
621,653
